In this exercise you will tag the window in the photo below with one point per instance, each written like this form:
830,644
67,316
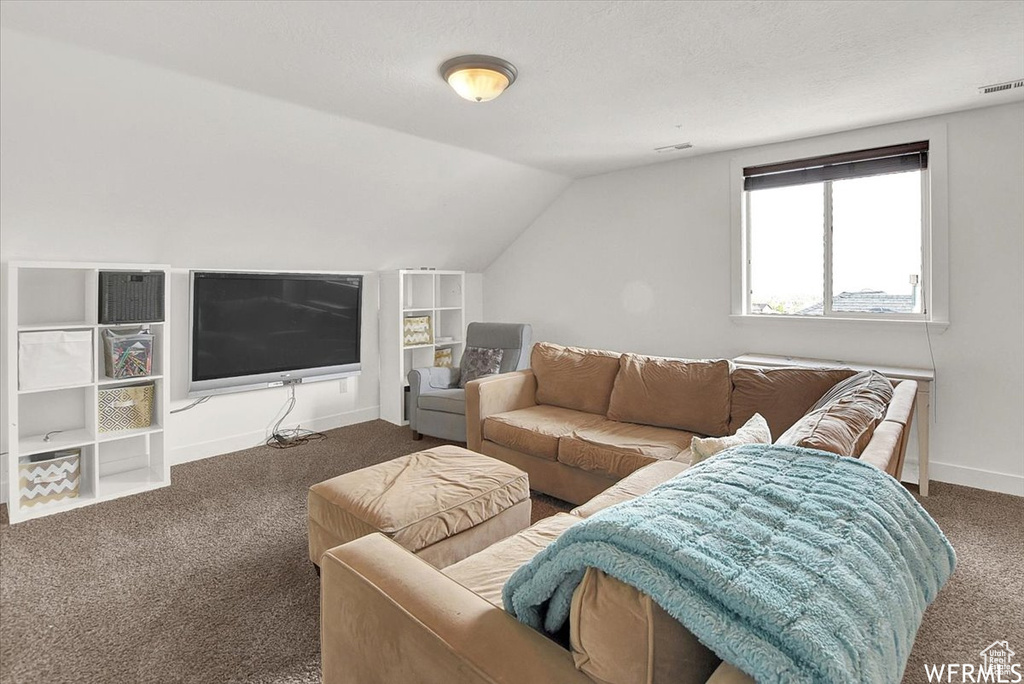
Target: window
843,235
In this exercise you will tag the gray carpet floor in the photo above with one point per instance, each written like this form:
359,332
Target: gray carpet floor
208,580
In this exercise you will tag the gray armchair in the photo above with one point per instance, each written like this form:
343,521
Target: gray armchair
437,405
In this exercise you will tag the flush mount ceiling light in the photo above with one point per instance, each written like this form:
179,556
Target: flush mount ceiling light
478,78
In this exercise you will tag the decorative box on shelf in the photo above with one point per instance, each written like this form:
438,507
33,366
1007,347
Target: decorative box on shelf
417,330
125,408
443,358
49,477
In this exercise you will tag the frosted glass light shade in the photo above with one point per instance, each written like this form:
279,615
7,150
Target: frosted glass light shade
478,78
478,85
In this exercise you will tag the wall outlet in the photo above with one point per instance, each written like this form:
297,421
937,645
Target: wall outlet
343,386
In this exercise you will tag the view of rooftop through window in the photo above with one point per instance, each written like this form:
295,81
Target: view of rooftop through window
876,256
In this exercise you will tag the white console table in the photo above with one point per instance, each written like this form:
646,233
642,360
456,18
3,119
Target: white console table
923,376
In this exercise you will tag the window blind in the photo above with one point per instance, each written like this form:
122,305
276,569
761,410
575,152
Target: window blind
878,160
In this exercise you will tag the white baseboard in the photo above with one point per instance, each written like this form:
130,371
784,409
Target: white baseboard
225,445
989,480
1004,483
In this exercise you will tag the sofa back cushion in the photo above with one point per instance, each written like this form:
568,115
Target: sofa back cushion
781,395
574,378
673,393
844,419
618,635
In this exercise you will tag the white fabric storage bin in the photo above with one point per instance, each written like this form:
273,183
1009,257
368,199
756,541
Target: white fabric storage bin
55,358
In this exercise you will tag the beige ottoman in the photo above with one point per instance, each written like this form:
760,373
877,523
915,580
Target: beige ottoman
443,504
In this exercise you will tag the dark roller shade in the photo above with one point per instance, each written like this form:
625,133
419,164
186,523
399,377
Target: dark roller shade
873,162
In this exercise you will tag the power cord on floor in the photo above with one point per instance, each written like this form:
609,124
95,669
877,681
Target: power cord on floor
291,437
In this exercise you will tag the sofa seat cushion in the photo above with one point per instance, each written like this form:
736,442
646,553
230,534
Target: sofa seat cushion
843,420
419,499
486,572
631,486
617,449
781,395
574,378
535,430
672,393
444,400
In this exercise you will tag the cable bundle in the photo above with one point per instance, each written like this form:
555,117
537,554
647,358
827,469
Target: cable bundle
291,437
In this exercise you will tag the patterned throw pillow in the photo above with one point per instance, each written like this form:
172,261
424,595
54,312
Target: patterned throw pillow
478,362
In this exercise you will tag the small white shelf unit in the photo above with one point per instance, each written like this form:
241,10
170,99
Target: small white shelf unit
438,294
42,296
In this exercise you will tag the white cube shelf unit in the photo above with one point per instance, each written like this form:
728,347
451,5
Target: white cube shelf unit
438,294
64,296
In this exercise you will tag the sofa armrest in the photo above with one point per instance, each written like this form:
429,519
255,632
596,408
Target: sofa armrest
888,446
884,448
389,616
903,402
495,394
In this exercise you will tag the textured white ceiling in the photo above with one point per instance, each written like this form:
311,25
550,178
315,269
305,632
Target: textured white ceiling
601,83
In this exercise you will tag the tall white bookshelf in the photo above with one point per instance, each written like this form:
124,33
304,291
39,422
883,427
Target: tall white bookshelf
64,296
438,294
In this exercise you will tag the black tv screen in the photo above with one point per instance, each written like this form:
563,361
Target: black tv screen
254,329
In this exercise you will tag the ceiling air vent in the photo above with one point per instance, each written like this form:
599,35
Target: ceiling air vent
673,148
998,87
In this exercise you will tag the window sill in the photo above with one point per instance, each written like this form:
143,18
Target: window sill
845,323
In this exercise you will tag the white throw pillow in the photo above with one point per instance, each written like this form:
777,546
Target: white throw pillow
754,431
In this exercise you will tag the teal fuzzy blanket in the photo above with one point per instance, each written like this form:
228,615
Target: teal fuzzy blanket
794,565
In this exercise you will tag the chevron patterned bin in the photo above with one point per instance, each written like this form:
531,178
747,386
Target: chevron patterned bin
126,408
53,479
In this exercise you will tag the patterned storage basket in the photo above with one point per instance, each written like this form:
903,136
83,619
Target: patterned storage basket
50,479
126,408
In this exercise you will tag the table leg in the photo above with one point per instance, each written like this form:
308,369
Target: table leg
924,416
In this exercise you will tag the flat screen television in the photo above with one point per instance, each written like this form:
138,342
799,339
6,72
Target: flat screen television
253,330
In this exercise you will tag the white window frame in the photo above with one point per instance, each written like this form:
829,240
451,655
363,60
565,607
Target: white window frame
934,285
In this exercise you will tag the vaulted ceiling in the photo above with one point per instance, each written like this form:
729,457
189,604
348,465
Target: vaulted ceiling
108,159
601,83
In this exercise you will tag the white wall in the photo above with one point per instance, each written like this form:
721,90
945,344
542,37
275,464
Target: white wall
104,159
639,260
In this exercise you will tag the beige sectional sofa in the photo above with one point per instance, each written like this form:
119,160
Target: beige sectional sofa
580,419
572,423
389,616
